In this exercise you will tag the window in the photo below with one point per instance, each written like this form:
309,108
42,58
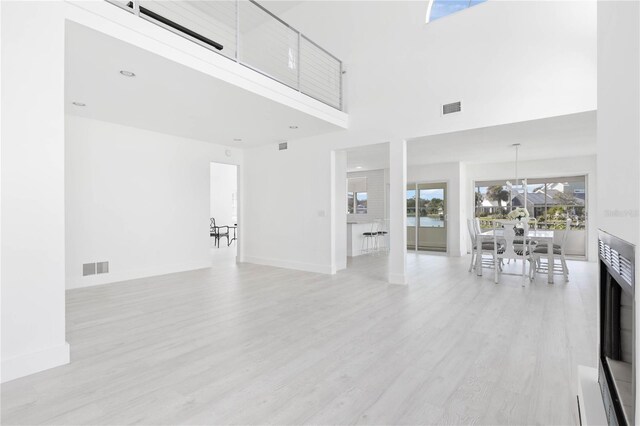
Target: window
550,201
357,195
439,8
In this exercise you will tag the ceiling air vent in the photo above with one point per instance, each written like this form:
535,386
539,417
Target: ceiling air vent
282,146
451,108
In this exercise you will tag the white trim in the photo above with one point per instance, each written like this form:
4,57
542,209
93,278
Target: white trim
591,409
287,264
429,6
446,209
94,280
34,362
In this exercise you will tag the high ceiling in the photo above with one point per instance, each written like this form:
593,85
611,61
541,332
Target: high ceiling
557,137
167,97
369,157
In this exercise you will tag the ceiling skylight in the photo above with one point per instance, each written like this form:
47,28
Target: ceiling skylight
439,8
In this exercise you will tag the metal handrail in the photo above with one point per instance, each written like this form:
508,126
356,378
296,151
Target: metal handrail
328,94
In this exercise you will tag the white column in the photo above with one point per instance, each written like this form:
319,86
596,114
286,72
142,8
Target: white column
397,211
338,211
33,194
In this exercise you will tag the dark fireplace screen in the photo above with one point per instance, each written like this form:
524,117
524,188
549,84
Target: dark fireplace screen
617,322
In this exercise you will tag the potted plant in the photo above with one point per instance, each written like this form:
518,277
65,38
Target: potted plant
519,214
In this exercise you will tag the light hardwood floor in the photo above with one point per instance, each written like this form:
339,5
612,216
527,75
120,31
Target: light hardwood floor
248,344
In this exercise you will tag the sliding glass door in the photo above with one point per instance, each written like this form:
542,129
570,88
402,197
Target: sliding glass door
427,216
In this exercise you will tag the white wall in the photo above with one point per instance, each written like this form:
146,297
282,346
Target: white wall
400,70
618,145
376,196
619,119
33,235
508,61
224,193
289,198
576,166
136,198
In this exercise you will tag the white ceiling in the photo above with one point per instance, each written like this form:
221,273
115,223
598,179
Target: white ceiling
557,137
369,157
167,97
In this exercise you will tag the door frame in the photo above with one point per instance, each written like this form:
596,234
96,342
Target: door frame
446,216
239,205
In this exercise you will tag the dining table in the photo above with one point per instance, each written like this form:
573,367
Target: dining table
537,235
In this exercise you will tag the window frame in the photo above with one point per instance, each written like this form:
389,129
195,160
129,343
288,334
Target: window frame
352,202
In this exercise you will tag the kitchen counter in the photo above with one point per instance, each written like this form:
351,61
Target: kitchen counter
355,237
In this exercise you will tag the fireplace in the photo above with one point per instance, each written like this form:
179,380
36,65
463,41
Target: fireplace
616,372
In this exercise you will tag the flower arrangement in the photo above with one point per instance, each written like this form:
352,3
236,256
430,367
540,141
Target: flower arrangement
519,213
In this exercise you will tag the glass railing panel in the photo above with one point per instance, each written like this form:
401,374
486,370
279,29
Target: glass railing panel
212,20
267,44
246,32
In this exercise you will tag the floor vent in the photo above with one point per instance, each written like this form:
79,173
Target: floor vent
451,108
282,146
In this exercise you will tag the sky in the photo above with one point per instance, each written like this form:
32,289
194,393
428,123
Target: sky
442,8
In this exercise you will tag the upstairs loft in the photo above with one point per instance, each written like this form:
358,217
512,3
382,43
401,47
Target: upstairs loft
197,76
249,34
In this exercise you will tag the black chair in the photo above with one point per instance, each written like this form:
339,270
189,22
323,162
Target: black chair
218,232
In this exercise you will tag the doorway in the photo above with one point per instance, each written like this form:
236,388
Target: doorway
427,216
223,211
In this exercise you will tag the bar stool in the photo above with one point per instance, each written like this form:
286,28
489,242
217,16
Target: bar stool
382,235
371,239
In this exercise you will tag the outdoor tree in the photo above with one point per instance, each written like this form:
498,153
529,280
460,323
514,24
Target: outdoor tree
479,199
435,206
565,199
497,193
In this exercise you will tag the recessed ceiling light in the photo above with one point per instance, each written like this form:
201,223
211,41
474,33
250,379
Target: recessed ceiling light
293,127
358,167
127,73
237,140
80,104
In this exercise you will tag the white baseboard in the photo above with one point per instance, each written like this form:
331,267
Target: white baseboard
592,411
115,276
287,264
399,279
34,362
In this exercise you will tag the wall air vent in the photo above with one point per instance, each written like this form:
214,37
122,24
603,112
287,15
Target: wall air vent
451,108
88,269
282,146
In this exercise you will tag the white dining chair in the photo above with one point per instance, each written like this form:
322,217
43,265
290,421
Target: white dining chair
473,226
540,257
476,225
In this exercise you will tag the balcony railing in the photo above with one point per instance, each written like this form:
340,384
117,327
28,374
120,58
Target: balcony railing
246,32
